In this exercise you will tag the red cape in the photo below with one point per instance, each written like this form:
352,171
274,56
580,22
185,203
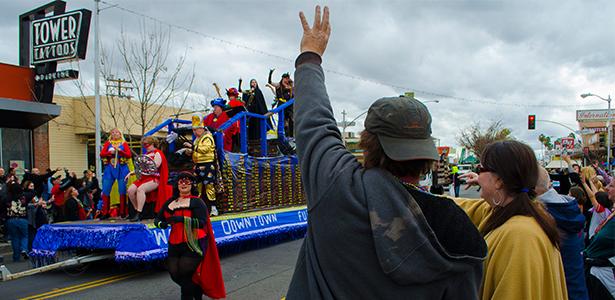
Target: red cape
164,190
208,274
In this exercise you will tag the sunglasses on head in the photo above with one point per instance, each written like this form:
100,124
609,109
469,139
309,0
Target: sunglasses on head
184,181
483,169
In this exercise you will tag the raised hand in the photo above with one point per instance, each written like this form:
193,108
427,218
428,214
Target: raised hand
315,39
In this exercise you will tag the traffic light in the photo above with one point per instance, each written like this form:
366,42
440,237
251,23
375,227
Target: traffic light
531,122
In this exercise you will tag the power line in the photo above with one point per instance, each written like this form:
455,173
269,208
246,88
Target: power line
350,76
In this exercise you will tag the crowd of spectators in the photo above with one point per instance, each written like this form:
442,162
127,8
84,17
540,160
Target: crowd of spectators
30,201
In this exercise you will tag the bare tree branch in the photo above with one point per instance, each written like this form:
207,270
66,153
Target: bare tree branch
146,63
476,139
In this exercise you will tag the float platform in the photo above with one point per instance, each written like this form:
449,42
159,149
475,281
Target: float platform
143,242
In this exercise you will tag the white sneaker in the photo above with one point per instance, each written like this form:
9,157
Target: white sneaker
214,211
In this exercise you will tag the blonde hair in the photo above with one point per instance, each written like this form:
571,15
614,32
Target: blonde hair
598,185
588,172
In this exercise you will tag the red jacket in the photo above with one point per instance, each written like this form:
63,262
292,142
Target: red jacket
215,122
58,195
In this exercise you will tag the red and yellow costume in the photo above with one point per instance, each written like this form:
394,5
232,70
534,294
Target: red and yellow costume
116,168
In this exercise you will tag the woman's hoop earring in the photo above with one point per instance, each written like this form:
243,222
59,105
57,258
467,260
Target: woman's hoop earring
497,203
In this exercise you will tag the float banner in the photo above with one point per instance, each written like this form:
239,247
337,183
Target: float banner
60,38
145,243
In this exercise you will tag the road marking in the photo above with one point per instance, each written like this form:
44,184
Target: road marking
75,286
83,286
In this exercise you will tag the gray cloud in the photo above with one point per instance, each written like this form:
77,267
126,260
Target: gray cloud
513,52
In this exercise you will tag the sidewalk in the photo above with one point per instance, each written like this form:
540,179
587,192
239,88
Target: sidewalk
7,260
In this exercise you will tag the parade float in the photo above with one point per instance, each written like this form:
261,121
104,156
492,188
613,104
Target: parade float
262,200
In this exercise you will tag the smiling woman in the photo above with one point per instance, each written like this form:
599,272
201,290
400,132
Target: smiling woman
192,261
521,236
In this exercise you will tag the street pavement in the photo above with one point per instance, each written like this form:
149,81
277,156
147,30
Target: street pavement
258,274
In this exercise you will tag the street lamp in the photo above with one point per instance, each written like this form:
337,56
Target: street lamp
608,125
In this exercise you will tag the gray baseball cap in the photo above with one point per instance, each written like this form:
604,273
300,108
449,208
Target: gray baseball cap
403,127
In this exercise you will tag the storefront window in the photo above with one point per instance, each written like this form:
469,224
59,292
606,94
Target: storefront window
16,148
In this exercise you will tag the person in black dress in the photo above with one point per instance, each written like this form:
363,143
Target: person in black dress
191,241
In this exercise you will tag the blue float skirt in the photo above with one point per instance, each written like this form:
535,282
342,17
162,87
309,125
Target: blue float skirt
142,242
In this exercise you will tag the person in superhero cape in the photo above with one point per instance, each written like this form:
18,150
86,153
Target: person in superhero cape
116,156
193,260
153,174
203,153
219,117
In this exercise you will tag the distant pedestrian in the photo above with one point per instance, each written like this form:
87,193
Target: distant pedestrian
17,225
456,182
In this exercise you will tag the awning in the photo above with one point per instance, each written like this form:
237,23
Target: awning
26,114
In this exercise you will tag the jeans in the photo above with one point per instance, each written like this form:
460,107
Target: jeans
18,231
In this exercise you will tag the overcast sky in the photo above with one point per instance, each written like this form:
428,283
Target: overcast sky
483,60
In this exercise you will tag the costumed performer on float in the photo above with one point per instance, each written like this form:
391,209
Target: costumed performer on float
255,103
193,261
203,152
116,156
219,117
235,106
153,175
283,91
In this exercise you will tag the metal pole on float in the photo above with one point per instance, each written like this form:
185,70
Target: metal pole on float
97,92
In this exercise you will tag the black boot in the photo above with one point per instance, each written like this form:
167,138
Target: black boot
136,218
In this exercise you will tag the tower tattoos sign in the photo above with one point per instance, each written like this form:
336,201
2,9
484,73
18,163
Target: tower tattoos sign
59,38
48,35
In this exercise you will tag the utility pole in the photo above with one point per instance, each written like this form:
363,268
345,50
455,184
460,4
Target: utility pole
344,126
115,87
97,91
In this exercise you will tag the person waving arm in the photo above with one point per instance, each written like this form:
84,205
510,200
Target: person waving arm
321,153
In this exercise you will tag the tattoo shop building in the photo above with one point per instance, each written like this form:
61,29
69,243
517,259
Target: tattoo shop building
47,36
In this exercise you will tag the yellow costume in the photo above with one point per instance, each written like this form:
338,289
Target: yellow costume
203,149
522,263
204,158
